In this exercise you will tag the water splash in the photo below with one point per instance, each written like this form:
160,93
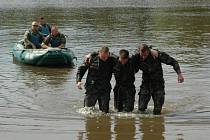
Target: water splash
95,112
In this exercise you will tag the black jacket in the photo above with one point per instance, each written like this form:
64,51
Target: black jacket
99,73
152,68
124,74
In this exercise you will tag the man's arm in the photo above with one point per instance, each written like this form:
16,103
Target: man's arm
26,40
168,60
135,60
89,57
80,73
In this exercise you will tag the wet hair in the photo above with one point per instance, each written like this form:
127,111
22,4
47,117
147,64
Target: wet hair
124,54
144,47
104,50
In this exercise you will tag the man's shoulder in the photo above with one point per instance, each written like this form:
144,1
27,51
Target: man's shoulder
28,31
94,58
135,56
161,53
112,59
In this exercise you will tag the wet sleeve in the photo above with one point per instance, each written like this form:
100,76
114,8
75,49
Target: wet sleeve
114,56
114,59
135,62
94,54
116,71
81,72
168,60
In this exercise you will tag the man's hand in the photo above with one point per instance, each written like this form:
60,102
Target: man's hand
79,85
154,53
180,78
44,46
88,58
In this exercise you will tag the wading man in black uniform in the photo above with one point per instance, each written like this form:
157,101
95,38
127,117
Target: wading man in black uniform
124,71
124,90
98,86
152,77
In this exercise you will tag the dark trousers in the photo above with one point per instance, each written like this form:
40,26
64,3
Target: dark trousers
158,97
103,98
124,98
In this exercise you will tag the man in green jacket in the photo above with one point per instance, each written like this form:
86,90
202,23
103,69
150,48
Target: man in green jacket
33,38
55,39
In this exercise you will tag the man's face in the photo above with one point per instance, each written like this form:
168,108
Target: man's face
123,61
143,53
54,31
104,55
34,26
42,21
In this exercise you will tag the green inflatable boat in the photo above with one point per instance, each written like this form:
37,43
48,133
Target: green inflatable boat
43,57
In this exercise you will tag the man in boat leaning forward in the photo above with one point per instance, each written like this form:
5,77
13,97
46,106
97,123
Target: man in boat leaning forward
33,38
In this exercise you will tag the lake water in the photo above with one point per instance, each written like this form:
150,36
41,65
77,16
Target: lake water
43,103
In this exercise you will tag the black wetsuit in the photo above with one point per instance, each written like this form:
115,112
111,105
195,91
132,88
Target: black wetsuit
97,84
124,90
152,80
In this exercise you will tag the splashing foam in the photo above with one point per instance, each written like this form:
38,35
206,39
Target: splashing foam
95,112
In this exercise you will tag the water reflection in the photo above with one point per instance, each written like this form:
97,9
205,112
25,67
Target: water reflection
124,128
152,128
38,77
98,128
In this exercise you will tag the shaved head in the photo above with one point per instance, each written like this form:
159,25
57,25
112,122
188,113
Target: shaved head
34,26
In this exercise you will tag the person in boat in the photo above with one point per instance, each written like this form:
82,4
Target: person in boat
44,27
55,39
124,90
33,38
97,86
152,77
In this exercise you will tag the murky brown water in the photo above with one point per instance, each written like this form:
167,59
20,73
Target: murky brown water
43,103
